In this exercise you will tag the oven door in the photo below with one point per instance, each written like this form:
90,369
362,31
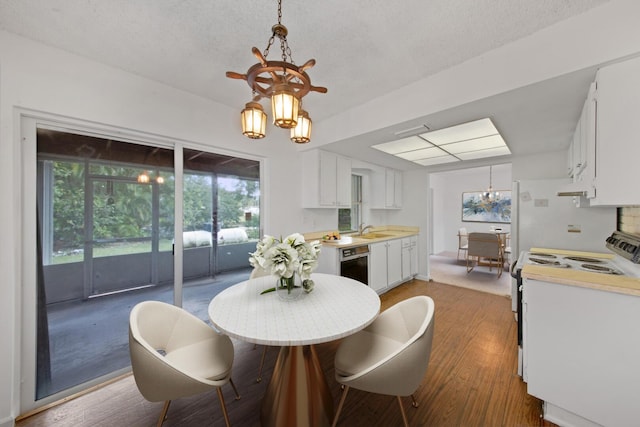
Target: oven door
356,267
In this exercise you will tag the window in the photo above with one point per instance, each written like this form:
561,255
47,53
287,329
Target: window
350,219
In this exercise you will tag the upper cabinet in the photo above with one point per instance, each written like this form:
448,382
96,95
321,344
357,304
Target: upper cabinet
603,152
386,189
616,134
326,180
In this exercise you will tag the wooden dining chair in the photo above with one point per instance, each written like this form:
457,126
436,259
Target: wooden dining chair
485,249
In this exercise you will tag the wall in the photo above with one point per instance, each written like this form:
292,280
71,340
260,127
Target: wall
447,198
540,166
72,89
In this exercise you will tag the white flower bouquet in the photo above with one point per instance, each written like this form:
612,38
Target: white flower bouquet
285,258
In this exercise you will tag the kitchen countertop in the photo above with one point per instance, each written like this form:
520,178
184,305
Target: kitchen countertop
598,281
350,240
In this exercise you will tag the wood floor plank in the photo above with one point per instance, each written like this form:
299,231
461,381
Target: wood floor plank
471,379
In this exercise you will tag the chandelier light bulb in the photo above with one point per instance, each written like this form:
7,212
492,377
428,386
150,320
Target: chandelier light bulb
301,134
284,106
254,121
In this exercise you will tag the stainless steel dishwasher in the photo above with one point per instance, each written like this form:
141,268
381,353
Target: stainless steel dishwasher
354,263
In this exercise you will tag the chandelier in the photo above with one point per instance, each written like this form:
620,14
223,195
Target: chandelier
490,195
284,83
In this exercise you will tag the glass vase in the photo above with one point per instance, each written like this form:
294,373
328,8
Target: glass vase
289,289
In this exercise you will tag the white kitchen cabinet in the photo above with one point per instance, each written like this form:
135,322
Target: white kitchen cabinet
617,130
409,257
581,154
570,157
378,266
393,196
581,349
326,180
343,182
386,189
329,260
394,261
385,264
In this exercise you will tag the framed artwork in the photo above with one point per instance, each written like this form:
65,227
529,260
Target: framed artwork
475,209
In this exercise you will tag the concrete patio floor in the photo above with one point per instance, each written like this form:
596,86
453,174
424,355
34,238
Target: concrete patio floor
89,338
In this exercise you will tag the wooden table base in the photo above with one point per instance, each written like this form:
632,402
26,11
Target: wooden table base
298,393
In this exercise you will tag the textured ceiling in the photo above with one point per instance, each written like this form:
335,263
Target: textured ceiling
363,48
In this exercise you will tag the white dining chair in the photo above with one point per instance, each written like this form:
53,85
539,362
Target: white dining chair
174,354
391,355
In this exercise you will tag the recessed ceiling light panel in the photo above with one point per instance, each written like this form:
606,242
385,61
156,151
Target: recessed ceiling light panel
437,160
473,140
403,145
470,130
477,144
425,153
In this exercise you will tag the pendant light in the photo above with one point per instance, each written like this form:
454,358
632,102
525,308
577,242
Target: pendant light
301,134
284,105
283,82
254,121
490,195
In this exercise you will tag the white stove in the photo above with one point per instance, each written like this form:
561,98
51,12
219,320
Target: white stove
624,261
576,262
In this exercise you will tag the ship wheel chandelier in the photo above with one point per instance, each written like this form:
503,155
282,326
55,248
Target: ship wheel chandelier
284,83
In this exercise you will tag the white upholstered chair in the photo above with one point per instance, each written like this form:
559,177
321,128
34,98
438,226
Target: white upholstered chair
391,355
174,354
255,273
486,248
463,241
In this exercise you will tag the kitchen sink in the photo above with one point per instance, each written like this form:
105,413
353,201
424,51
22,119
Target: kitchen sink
374,236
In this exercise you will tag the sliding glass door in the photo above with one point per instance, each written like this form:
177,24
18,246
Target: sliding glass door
104,239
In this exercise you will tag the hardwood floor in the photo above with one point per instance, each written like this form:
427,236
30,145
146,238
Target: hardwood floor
471,379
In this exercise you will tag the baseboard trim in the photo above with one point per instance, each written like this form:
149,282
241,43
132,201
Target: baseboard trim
7,422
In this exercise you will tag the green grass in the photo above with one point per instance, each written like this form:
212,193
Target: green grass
113,249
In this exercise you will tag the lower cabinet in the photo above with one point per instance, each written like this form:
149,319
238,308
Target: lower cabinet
581,349
378,266
409,257
385,264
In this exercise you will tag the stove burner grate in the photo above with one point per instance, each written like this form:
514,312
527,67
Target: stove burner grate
543,261
585,259
600,269
542,255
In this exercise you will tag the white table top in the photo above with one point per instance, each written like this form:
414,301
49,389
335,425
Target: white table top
337,307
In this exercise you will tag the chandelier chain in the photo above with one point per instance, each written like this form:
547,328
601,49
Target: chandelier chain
280,12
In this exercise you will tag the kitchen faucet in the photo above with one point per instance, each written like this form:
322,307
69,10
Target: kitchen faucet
364,228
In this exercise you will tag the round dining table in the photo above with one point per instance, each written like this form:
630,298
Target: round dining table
298,393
